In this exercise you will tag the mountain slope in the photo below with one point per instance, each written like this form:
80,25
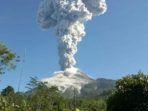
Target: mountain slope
69,79
97,87
73,81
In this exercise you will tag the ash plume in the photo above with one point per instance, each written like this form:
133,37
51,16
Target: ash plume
67,18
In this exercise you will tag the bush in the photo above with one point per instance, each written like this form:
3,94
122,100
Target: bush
131,94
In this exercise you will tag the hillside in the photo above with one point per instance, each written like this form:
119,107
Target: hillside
97,87
100,86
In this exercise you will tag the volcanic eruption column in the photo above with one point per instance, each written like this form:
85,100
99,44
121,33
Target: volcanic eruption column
67,17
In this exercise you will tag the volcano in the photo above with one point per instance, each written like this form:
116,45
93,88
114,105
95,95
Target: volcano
69,78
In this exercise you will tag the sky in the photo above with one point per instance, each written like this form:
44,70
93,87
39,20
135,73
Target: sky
115,44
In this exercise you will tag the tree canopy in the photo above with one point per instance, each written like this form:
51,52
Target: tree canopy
131,94
6,58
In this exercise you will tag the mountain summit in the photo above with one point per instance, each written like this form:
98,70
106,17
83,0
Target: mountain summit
69,78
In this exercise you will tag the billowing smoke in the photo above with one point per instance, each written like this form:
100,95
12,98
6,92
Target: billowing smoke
67,17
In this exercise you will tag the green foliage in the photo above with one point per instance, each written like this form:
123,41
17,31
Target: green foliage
43,98
3,103
131,94
8,91
6,58
91,104
34,83
13,102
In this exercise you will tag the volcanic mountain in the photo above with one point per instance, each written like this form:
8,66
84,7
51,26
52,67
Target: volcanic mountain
69,78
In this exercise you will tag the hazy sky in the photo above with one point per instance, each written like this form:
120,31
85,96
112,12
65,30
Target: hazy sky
115,44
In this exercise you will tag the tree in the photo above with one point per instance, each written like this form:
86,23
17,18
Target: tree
6,99
8,91
43,98
11,101
131,94
6,58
